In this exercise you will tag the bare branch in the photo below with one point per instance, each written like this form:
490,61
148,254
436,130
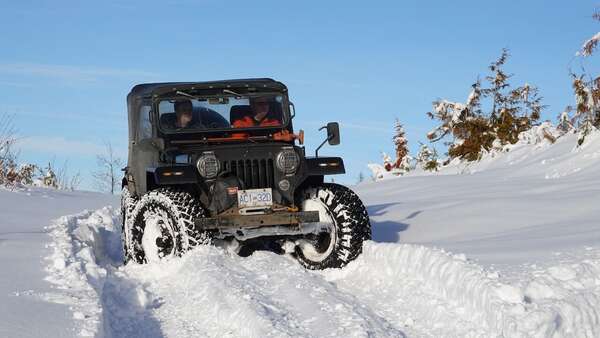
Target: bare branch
109,164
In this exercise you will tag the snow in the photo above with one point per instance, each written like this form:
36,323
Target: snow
507,247
30,306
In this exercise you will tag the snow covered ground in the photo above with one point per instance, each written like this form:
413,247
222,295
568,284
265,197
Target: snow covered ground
30,306
510,247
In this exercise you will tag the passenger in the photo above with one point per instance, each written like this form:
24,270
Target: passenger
183,113
260,111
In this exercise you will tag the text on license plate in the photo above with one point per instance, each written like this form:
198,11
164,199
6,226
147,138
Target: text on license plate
255,198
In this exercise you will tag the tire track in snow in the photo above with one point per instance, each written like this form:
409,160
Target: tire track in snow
206,293
389,288
211,293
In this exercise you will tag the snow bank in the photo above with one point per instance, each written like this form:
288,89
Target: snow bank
83,247
446,295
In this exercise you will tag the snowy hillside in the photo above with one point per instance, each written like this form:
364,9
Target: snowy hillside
512,207
510,248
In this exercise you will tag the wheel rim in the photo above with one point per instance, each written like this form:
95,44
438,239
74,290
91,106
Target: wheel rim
158,240
319,248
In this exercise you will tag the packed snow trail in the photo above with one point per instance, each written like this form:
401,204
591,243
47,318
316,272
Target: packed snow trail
206,293
390,290
24,294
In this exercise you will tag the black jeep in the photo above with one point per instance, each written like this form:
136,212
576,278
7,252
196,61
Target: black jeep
217,163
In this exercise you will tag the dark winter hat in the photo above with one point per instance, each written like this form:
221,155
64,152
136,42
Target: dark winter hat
183,105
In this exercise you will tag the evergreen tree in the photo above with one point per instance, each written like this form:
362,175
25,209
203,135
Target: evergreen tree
587,112
498,83
590,44
565,125
406,165
471,131
520,110
27,173
49,177
427,158
511,112
587,93
400,143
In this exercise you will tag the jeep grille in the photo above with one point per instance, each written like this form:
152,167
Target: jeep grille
255,173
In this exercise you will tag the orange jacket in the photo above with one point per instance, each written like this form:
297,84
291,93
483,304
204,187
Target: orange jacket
248,121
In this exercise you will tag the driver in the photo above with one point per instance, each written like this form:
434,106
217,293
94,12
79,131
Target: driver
183,113
259,117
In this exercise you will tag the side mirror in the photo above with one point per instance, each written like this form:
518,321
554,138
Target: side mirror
150,144
333,133
292,110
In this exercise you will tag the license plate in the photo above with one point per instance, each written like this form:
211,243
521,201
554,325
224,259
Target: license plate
254,198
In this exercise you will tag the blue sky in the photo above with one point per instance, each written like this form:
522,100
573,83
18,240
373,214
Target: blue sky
66,66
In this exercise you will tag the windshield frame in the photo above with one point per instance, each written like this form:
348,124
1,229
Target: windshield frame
285,109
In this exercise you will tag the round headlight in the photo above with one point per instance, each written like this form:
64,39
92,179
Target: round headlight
287,161
208,165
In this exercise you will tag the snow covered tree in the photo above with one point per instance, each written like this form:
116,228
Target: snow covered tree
406,165
388,164
589,46
427,158
471,131
27,174
587,93
498,83
565,125
49,177
520,109
400,143
587,110
511,112
585,129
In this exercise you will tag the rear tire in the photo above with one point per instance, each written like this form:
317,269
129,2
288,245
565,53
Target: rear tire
349,227
162,225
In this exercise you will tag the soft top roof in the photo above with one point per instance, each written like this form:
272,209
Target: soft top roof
147,89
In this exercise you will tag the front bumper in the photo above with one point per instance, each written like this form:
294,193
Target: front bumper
244,227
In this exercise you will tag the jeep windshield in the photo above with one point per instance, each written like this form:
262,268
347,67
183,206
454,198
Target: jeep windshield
191,114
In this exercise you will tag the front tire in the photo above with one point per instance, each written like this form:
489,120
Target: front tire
348,227
162,225
127,205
